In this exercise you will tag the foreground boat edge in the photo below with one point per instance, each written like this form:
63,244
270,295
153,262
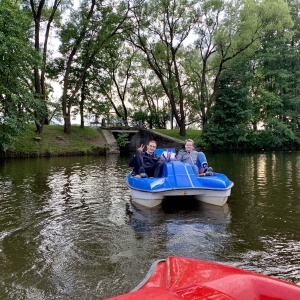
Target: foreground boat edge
186,278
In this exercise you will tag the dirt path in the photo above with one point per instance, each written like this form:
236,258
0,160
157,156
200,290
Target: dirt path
100,141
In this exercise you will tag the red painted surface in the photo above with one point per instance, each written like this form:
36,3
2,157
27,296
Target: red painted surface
190,279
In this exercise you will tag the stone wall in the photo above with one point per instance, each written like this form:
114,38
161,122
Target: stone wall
143,136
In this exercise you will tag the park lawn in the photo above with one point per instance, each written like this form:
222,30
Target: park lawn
54,142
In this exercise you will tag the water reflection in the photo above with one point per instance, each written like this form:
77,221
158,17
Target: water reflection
70,231
265,208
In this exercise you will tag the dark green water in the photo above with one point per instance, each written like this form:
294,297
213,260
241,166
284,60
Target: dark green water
68,229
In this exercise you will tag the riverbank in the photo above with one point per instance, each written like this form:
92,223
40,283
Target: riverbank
82,141
54,142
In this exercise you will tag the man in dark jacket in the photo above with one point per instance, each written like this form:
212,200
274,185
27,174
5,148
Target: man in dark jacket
146,163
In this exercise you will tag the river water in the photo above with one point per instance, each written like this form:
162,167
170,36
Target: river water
68,228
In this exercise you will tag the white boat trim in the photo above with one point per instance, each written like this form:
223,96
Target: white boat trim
154,198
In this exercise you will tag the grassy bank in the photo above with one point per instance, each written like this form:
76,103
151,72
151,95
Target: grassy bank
54,142
82,141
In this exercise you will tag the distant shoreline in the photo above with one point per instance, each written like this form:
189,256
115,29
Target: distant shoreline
54,142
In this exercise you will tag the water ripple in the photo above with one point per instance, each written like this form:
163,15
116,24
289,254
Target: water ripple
70,231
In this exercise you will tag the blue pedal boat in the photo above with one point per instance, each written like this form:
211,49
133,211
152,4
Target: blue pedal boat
178,179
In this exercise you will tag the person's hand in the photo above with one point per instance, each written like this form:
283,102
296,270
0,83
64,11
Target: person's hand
141,148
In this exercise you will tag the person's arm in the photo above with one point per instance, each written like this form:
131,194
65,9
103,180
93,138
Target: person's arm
180,155
131,163
139,149
173,156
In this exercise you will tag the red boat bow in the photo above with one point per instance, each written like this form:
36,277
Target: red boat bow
190,279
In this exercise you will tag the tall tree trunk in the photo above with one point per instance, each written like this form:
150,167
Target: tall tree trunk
40,114
82,101
37,84
67,100
67,124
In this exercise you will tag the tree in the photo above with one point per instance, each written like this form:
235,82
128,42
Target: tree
83,37
118,67
228,126
158,29
18,58
44,14
227,30
148,97
275,86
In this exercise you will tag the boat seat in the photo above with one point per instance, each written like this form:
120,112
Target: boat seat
179,174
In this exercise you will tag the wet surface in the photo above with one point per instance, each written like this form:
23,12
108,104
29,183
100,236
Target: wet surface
68,228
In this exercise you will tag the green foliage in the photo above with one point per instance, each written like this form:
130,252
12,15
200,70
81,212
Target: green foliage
122,139
18,59
89,42
241,73
228,125
139,116
277,135
8,132
167,26
275,85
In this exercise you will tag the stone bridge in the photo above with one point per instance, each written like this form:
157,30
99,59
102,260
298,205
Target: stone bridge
138,136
